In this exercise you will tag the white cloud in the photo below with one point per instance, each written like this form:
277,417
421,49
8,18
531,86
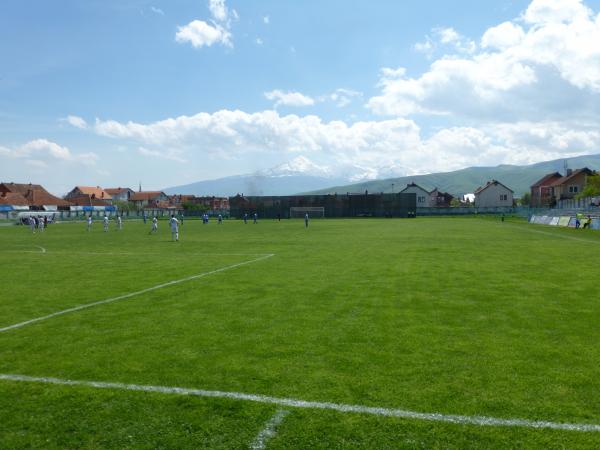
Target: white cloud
75,121
266,20
199,34
259,41
551,67
156,10
372,145
542,12
42,151
503,36
289,98
343,97
445,39
219,10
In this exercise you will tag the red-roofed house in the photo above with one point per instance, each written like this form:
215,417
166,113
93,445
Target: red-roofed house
541,190
89,191
571,184
88,200
120,194
13,200
36,196
148,199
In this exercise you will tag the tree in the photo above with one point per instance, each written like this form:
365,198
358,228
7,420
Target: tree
123,206
455,202
190,206
592,187
525,199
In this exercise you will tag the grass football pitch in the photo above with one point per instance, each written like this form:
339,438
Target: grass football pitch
440,333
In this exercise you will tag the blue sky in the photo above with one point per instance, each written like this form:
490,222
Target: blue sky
169,92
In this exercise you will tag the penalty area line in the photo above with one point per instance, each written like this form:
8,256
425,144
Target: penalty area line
133,294
269,431
294,403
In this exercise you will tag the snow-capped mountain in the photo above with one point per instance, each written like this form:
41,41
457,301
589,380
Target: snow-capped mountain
298,166
292,177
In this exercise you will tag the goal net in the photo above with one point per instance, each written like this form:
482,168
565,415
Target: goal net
312,211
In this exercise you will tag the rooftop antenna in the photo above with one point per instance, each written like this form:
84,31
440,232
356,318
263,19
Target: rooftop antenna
566,166
141,186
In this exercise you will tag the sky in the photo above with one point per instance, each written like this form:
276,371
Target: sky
118,92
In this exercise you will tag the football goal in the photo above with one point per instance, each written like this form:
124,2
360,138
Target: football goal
312,211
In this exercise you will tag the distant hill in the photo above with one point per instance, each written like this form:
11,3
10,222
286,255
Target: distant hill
255,185
298,175
459,182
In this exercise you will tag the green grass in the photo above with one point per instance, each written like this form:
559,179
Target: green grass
455,316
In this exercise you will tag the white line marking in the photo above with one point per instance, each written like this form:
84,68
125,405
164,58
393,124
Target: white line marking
340,407
41,248
269,431
132,294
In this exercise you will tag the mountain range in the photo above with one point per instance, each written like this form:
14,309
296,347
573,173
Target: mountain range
301,175
298,175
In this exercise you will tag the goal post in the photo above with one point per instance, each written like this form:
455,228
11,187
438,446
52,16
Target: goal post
298,212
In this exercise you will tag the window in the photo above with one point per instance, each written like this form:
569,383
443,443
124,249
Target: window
573,189
503,197
421,199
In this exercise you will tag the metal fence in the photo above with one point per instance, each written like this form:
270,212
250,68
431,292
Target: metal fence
348,205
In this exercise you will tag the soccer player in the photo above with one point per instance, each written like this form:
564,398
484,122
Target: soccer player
306,220
174,228
32,223
255,218
154,225
89,223
119,223
41,224
245,218
220,219
105,223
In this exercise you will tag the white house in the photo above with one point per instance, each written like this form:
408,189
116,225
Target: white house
493,195
120,194
424,199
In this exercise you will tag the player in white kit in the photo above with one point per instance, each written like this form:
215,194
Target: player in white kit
89,223
105,222
119,223
154,225
174,228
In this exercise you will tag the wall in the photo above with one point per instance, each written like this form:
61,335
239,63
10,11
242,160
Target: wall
490,197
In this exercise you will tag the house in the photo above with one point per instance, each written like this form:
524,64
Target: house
570,185
89,191
88,200
10,201
37,197
148,199
423,196
542,192
216,203
211,203
440,199
493,195
180,200
120,194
